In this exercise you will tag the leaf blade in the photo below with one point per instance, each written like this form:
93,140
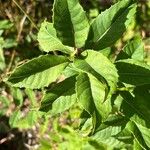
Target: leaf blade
38,72
59,98
79,21
105,71
133,72
48,39
72,16
133,50
91,94
61,16
108,27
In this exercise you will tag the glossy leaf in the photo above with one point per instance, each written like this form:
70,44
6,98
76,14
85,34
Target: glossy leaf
107,137
109,26
135,103
79,22
91,95
99,66
136,109
70,71
134,50
62,22
141,96
48,39
133,72
132,127
145,132
59,98
75,23
38,72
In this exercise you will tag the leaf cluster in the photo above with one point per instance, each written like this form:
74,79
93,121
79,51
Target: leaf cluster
112,94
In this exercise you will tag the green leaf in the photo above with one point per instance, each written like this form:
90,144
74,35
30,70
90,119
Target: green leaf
141,96
133,128
48,40
132,108
70,71
107,137
99,66
134,50
44,145
71,139
86,124
5,24
125,136
135,103
106,52
1,32
145,132
9,43
105,133
2,59
136,145
133,72
32,97
4,105
94,145
17,120
38,72
62,22
31,118
70,22
14,118
109,26
59,98
91,94
79,22
17,96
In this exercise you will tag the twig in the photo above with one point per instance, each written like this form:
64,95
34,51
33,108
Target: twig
18,39
11,61
21,28
11,136
25,14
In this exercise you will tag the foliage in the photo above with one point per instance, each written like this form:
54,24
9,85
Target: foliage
78,71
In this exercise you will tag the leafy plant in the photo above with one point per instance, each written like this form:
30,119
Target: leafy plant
76,71
5,43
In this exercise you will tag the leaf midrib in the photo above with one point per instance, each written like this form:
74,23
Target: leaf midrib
47,103
111,26
30,74
55,38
